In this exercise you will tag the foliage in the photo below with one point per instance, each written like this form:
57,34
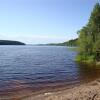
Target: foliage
89,36
85,59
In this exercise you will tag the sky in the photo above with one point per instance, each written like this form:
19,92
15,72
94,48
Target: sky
43,21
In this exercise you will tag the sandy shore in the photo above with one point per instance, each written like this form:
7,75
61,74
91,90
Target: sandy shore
88,91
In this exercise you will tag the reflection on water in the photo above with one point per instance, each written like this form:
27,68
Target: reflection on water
88,73
28,68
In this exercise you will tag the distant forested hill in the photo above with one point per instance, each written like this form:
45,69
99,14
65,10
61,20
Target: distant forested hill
72,42
8,42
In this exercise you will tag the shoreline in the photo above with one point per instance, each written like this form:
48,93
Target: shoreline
82,91
85,91
20,93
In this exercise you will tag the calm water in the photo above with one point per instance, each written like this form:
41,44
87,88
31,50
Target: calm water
37,66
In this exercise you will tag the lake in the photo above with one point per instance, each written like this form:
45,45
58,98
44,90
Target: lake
34,67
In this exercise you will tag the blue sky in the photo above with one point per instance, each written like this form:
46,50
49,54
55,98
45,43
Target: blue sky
43,21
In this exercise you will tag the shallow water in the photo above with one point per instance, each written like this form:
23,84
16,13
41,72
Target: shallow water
40,66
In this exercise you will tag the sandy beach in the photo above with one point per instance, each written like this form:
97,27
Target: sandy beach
88,91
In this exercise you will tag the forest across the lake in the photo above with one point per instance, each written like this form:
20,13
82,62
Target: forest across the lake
9,42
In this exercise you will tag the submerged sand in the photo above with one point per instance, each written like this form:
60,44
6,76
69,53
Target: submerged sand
88,91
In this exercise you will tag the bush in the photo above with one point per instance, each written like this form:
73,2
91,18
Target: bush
85,58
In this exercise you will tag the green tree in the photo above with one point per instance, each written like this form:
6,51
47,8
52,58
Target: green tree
89,36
